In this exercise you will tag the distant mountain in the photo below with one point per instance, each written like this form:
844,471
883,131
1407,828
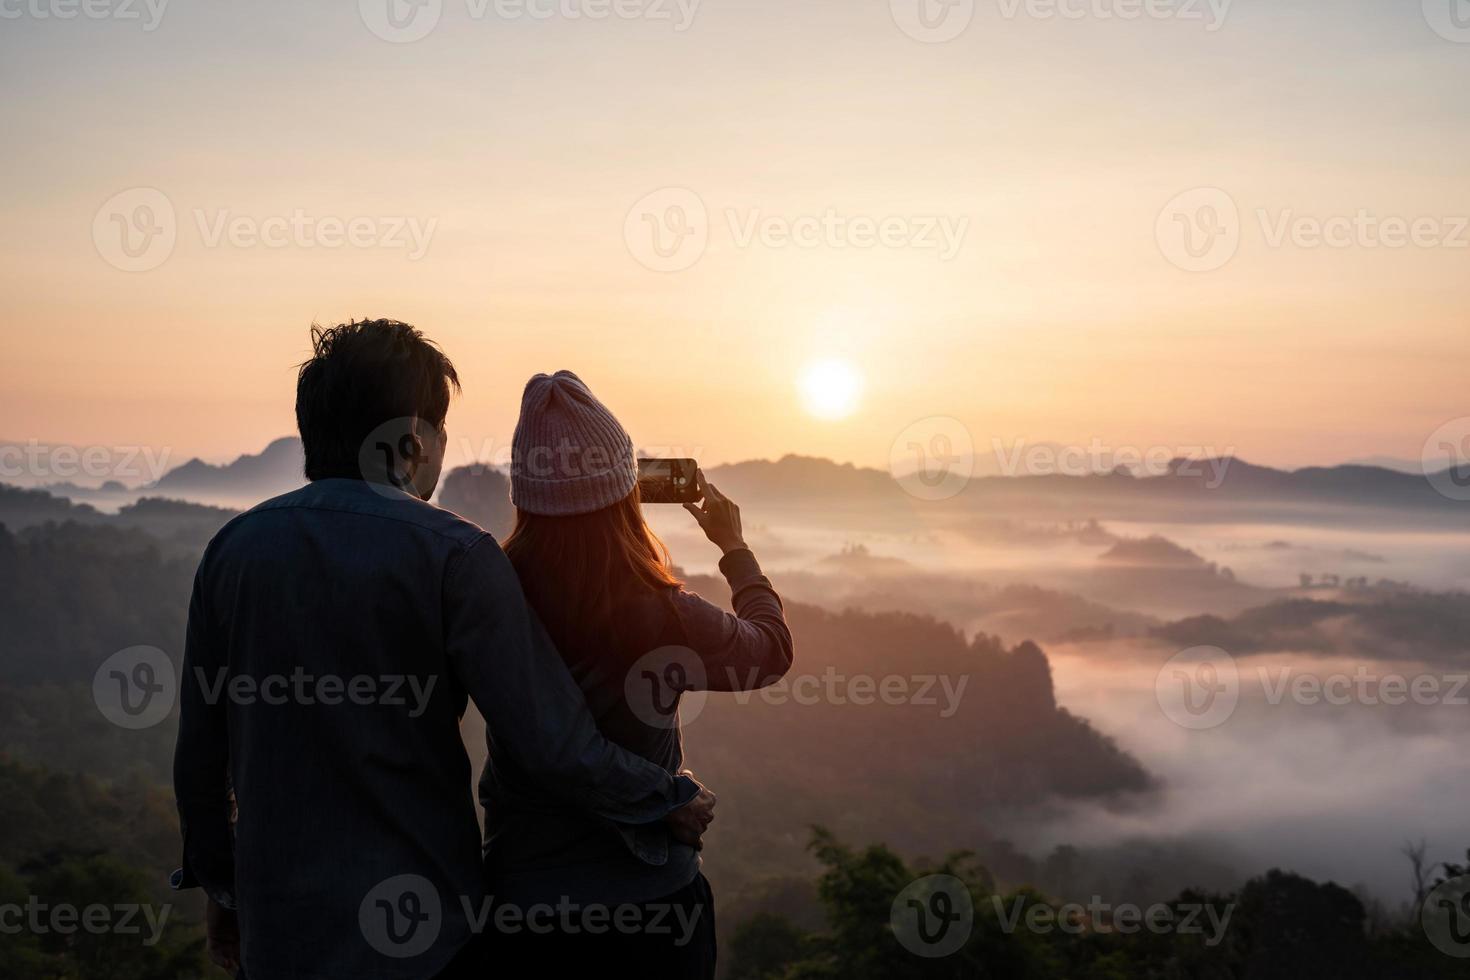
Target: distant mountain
275,470
1377,621
1227,489
24,507
1414,467
1155,551
1220,480
804,476
856,559
481,494
1311,493
181,527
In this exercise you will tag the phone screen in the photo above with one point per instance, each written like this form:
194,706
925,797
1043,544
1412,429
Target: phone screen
668,481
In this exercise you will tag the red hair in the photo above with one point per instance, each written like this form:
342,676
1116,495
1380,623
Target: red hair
574,569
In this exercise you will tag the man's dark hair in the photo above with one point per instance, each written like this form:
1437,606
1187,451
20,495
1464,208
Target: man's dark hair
360,376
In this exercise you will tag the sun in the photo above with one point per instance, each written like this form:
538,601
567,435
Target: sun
830,388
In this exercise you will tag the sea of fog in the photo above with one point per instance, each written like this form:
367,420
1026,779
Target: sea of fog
1303,782
1331,791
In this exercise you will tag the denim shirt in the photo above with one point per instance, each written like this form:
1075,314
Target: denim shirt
334,636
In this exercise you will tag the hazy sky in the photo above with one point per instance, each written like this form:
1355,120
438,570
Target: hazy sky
493,172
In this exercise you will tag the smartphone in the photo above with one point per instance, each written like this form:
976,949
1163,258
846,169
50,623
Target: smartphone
668,481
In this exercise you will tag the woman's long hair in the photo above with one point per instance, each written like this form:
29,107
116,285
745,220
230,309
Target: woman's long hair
574,570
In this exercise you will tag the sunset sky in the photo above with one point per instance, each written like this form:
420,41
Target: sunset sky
517,147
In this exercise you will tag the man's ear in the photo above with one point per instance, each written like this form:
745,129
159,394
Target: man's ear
416,454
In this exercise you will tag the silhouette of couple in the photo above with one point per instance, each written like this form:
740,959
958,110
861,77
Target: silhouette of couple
335,635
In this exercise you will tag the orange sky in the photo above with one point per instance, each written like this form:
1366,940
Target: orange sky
517,148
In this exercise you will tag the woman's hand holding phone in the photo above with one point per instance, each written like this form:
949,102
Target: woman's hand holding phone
718,516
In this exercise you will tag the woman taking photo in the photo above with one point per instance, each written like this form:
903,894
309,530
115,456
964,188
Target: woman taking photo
602,584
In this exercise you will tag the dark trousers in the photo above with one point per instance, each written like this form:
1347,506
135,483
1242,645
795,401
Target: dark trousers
670,938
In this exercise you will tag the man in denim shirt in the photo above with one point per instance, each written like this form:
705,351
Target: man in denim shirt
335,635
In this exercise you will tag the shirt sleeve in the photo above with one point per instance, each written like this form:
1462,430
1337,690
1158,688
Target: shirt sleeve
533,709
202,763
745,650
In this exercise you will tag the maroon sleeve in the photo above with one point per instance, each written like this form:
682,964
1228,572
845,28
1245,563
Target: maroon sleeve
741,651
